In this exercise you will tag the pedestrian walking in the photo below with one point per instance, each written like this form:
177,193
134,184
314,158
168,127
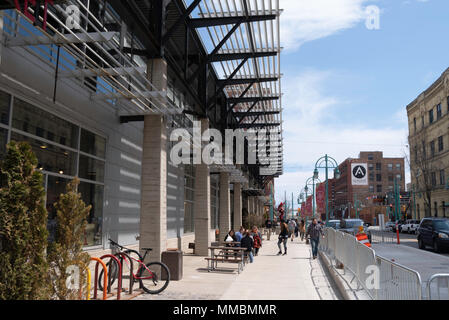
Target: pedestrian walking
257,237
291,228
248,243
283,237
314,232
302,229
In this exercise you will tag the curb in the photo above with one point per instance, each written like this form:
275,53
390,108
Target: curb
336,277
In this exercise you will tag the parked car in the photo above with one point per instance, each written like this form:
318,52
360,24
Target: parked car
335,224
389,226
350,225
410,226
433,232
400,223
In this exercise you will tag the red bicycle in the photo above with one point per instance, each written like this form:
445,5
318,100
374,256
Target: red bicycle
153,276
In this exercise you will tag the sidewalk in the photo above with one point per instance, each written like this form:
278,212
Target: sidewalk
271,277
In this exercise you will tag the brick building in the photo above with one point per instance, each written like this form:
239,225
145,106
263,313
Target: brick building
381,174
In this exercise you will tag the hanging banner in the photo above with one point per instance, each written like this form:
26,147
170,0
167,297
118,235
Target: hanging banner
308,211
321,198
359,174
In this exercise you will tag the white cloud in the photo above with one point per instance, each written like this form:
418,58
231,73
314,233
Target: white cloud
309,134
307,20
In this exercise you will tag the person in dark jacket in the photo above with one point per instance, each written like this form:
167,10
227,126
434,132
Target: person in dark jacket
283,237
314,232
248,243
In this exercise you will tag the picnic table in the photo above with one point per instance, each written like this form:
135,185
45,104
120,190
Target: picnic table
226,255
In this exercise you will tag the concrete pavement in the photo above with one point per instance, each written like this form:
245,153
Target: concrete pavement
292,277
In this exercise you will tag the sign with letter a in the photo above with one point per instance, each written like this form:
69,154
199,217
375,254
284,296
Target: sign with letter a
359,174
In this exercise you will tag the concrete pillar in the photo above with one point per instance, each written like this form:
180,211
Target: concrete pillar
237,205
202,204
153,204
153,209
225,205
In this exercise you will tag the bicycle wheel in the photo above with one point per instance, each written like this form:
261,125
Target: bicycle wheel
113,270
154,278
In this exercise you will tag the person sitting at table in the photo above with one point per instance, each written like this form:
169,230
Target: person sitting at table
248,243
239,234
230,237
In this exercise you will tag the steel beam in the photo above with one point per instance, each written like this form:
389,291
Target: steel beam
219,21
240,55
252,99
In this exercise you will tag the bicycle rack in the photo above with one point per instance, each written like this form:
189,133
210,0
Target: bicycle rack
119,285
88,284
105,284
131,275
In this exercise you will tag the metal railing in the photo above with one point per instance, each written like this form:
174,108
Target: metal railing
442,285
378,236
395,282
398,282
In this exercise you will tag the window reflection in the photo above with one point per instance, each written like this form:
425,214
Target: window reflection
92,194
189,182
30,119
3,141
50,158
55,187
5,100
93,144
91,169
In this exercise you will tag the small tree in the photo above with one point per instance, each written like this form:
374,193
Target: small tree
23,226
66,253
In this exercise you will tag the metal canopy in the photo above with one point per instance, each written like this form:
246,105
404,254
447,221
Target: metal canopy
242,37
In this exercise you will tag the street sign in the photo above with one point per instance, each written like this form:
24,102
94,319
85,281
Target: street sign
359,176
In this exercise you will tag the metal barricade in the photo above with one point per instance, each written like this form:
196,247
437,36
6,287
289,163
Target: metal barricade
442,285
366,264
397,282
382,236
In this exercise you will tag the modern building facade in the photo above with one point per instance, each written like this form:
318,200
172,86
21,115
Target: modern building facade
428,123
382,171
98,87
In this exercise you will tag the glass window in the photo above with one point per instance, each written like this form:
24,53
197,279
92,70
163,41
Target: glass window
50,158
378,177
431,116
3,141
398,177
91,169
370,166
379,188
390,177
92,194
371,188
370,157
5,100
433,179
55,187
432,148
439,111
93,144
378,166
390,166
440,143
33,120
442,177
189,194
398,166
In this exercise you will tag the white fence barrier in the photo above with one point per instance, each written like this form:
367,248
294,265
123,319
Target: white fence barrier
438,287
380,278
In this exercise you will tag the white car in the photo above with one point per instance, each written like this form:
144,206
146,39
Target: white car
389,226
410,226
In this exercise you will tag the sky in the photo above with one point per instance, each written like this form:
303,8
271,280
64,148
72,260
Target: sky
345,86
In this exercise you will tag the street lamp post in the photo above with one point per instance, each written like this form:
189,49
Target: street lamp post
313,178
327,163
